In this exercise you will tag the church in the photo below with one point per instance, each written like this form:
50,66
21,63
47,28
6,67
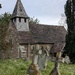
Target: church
25,36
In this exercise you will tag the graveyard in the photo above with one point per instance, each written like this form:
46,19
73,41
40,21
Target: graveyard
19,67
32,48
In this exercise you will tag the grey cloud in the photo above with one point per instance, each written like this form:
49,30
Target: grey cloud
45,7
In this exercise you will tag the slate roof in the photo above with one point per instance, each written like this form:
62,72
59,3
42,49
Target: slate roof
25,37
43,34
19,10
57,47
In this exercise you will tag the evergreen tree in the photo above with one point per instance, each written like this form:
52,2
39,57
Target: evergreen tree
4,23
70,38
0,6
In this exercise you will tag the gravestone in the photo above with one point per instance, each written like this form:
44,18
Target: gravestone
33,68
67,59
39,61
42,59
55,70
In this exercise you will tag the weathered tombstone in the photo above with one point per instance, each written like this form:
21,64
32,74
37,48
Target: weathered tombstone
67,59
33,68
42,59
55,70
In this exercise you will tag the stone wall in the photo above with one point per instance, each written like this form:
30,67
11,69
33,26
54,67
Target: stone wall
29,49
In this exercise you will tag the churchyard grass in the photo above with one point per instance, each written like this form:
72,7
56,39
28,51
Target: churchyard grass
19,67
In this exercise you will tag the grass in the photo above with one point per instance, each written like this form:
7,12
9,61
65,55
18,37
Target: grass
19,67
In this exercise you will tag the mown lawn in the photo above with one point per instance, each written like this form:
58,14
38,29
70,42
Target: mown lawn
19,67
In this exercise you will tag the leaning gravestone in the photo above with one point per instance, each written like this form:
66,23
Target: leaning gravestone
42,59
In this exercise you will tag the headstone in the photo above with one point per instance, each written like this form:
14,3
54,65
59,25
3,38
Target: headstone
35,55
33,68
42,59
39,61
55,70
67,59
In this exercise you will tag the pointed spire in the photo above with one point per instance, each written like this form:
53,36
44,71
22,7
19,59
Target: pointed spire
19,10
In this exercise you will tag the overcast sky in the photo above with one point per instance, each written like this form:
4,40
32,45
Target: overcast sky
47,11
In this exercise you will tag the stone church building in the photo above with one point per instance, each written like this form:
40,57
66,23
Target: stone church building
25,36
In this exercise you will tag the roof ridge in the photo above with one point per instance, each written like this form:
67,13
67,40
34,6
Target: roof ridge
47,25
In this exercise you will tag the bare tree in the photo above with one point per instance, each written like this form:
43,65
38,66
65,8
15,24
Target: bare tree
62,21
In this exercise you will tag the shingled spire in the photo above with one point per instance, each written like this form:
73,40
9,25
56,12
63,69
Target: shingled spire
20,18
19,10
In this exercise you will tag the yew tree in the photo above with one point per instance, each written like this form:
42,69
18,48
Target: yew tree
70,38
4,23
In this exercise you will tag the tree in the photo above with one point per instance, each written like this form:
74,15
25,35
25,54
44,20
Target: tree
4,23
34,21
62,21
70,38
0,6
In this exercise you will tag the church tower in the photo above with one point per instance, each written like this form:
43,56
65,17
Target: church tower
20,17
